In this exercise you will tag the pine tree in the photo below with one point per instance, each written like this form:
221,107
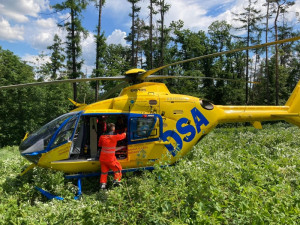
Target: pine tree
163,8
249,19
74,30
152,12
281,8
100,47
132,36
57,57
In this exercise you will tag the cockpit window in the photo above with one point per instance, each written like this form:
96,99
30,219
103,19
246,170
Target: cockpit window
66,132
40,139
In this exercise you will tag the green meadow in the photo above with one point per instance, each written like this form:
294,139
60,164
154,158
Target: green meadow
233,176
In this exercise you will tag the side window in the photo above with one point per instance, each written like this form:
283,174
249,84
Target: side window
66,132
143,128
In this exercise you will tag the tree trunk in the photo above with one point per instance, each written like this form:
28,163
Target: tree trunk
97,50
276,55
267,59
150,34
247,59
162,16
74,69
132,37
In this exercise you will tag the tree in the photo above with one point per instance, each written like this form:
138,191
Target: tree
57,57
132,35
150,52
141,35
220,39
281,7
74,30
25,109
268,15
249,19
117,60
187,44
100,47
163,8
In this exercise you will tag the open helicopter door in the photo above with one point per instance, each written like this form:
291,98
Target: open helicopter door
89,130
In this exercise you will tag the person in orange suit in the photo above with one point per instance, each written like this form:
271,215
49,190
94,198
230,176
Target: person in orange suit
108,160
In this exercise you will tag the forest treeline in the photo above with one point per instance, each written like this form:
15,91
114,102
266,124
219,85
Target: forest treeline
152,43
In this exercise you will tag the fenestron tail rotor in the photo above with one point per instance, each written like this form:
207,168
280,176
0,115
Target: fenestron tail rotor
140,75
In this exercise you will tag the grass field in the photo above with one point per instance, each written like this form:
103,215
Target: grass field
233,176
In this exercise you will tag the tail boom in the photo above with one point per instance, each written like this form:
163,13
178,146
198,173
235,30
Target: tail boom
290,112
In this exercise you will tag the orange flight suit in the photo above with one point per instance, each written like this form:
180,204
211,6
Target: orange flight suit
108,158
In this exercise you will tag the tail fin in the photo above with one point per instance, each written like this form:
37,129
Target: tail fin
294,106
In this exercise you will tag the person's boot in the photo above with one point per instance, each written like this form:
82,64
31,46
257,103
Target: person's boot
102,186
116,183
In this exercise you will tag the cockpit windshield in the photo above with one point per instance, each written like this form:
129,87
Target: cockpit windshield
40,139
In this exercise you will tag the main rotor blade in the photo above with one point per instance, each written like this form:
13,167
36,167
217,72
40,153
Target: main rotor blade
160,77
62,81
114,90
149,72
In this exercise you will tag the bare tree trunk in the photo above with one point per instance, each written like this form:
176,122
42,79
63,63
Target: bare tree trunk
150,34
267,59
74,69
247,58
132,37
162,16
276,55
97,50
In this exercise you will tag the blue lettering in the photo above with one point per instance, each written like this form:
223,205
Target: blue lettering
199,119
185,129
176,137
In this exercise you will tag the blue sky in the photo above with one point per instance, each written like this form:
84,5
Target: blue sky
27,27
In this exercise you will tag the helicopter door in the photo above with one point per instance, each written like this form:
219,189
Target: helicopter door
93,137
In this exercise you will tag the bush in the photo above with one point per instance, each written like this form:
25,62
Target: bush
233,176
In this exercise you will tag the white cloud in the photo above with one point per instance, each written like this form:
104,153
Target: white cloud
192,12
89,53
189,11
35,60
10,33
195,14
19,10
118,7
117,37
40,33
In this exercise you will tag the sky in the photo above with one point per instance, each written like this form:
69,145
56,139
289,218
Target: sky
27,27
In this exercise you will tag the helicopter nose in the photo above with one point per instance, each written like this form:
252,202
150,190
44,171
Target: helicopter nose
31,149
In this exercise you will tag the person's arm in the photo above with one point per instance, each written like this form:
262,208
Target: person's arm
100,142
121,136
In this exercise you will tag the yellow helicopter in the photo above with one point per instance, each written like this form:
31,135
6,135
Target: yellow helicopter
158,123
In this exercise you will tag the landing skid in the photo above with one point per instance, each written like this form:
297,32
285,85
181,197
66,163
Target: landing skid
79,178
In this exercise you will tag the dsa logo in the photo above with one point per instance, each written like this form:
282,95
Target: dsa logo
183,127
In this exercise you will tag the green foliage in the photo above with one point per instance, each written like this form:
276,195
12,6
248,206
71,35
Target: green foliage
233,176
25,109
57,57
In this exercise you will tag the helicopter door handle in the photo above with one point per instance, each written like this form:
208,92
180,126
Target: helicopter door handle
162,142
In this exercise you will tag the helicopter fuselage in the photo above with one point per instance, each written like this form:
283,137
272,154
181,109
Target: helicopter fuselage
161,128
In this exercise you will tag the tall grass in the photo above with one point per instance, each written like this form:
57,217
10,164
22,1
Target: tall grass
233,176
